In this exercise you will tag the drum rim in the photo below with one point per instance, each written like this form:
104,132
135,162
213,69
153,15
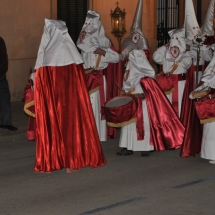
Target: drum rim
129,96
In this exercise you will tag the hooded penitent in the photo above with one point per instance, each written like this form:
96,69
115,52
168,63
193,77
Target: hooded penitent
92,34
140,68
192,29
160,111
207,27
177,46
61,103
136,39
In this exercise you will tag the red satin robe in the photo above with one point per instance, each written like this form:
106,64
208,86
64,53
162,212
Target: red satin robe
66,131
189,118
167,132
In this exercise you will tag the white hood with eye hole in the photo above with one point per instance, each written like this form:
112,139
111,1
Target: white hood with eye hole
177,46
92,35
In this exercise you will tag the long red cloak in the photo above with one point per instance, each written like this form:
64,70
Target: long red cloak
189,118
66,131
167,132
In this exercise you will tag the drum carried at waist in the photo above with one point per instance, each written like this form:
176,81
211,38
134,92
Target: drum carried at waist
205,108
120,111
166,83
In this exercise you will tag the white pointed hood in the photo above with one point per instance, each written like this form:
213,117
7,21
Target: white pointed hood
92,34
137,21
207,27
177,44
192,29
136,39
138,67
56,47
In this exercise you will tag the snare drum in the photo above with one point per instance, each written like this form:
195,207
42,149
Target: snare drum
120,111
205,109
166,83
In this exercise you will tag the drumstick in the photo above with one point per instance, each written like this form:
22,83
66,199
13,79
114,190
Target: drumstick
118,86
88,71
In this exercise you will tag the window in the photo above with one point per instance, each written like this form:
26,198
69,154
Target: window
167,19
73,12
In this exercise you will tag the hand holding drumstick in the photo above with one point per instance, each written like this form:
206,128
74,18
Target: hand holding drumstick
200,94
122,92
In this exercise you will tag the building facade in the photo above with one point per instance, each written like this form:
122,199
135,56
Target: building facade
21,26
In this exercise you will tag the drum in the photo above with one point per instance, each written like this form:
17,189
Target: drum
94,80
166,83
120,111
205,109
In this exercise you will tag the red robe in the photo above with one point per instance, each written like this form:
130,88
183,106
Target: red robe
189,118
66,131
167,132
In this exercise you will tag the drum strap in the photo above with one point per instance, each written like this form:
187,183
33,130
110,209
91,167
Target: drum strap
98,61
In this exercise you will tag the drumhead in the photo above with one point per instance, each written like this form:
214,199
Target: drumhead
118,101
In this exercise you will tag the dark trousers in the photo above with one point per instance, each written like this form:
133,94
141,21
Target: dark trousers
5,105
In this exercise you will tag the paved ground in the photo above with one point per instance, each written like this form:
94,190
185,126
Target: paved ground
162,184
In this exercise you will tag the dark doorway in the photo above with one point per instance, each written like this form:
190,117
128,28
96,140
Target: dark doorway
73,12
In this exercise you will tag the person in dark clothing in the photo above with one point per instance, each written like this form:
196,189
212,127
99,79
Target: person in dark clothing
5,106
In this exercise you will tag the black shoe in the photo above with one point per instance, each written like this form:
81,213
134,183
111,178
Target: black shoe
124,151
9,127
145,153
